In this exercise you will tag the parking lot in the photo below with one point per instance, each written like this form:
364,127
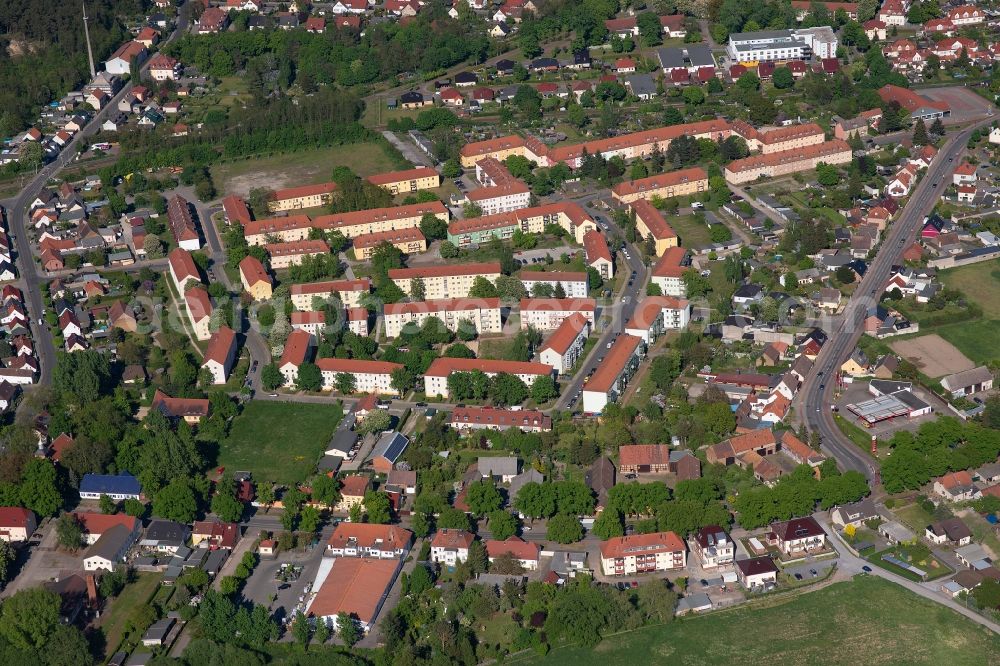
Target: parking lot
42,563
858,392
809,570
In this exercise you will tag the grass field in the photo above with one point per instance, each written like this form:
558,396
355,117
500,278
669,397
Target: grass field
690,232
914,516
124,606
279,441
300,168
866,621
975,339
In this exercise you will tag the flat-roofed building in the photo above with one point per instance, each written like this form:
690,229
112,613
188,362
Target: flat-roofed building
483,314
369,376
613,374
303,196
410,180
649,222
452,281
565,346
679,183
407,241
547,314
349,292
436,377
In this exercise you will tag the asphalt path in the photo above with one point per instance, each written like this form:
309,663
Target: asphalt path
816,390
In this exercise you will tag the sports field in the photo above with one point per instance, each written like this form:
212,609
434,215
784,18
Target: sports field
279,441
864,621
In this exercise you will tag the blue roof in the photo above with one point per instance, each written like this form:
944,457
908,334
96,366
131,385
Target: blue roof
390,446
106,484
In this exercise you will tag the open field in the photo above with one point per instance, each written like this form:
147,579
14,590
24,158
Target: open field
980,282
124,606
300,168
690,232
865,621
279,441
975,339
933,355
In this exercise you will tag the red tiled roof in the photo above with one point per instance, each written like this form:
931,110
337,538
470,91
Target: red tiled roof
442,305
369,535
392,213
99,523
273,225
566,333
199,303
398,176
296,248
182,264
450,538
653,219
558,304
613,363
516,546
553,276
354,485
669,264
304,191
296,348
442,367
410,234
641,544
771,159
356,586
643,454
179,407
253,271
236,209
340,286
499,417
357,366
650,308
15,516
659,181
444,271
223,340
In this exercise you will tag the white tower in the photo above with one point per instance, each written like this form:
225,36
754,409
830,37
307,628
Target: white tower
86,34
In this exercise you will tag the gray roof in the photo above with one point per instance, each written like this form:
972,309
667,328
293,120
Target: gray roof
343,439
390,446
700,55
530,475
989,470
641,84
967,378
497,580
671,56
159,630
910,400
694,601
759,35
167,531
498,466
110,543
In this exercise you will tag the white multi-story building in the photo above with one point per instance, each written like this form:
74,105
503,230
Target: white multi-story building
436,377
668,273
715,547
770,45
449,547
511,196
613,374
369,376
563,348
445,281
349,292
655,315
547,314
482,313
574,284
642,553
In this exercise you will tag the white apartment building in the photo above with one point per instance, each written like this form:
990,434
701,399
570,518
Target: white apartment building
563,348
369,376
449,547
613,374
770,45
350,292
511,196
574,284
642,553
547,314
482,313
442,282
436,377
310,321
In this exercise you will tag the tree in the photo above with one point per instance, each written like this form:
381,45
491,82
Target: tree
503,525
345,382
69,531
937,127
454,519
482,288
176,501
309,377
40,488
134,508
301,630
448,250
378,420
564,528
543,389
920,137
29,618
378,507
107,505
508,389
782,78
271,377
610,523
433,227
844,274
226,506
153,247
650,28
420,525
694,95
452,168
348,629
402,380
536,500
827,175
483,497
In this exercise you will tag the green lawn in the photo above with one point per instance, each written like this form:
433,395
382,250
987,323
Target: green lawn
980,282
975,339
123,606
914,516
856,434
866,621
917,555
690,232
300,168
279,441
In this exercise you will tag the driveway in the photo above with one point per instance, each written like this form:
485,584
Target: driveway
409,149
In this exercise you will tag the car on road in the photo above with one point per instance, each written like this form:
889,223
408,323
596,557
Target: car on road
704,583
822,386
609,345
866,569
41,322
798,576
272,395
813,572
626,299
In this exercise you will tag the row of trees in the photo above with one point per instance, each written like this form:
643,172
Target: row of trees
501,389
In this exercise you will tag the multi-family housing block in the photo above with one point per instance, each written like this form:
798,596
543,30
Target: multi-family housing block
436,377
565,346
482,314
441,282
613,374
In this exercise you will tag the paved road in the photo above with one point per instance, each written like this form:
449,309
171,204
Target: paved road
815,394
17,218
